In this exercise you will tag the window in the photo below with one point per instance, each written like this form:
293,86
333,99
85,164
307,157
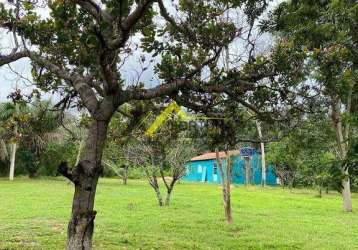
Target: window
200,169
215,168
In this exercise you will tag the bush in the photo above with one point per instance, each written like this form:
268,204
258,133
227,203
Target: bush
54,155
133,172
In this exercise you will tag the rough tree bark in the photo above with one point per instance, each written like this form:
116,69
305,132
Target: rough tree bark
342,150
85,177
226,182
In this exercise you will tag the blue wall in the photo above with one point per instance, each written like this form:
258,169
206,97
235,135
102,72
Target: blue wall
207,171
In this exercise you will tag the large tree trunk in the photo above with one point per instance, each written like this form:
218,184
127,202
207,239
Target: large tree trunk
342,150
85,177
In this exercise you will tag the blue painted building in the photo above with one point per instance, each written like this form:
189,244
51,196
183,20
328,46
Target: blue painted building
204,168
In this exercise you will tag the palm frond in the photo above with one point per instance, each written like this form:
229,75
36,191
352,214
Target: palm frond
7,109
4,154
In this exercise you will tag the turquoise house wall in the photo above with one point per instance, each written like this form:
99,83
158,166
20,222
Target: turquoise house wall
205,171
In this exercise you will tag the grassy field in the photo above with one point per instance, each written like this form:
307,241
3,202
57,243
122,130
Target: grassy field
34,214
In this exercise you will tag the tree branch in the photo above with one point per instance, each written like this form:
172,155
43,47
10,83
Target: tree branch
94,10
65,171
12,57
146,94
78,82
164,13
129,22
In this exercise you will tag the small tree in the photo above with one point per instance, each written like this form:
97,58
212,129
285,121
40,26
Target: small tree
41,128
225,173
223,134
146,154
286,155
6,112
166,151
178,154
122,128
12,119
157,157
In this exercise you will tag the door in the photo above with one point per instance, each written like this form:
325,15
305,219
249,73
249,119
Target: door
203,175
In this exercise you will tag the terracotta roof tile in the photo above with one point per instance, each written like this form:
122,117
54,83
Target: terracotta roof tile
212,155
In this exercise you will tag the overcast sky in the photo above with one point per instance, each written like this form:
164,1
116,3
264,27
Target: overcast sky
10,75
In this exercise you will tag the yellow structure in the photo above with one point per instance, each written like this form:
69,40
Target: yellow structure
172,107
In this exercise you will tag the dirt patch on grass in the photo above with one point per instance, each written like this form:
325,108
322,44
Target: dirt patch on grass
19,241
53,225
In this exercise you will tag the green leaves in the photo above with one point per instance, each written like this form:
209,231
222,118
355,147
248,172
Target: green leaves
28,6
324,29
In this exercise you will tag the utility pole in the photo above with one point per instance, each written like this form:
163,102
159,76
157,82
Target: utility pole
263,160
262,147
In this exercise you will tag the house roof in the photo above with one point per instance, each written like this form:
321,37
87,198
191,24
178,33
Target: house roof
212,155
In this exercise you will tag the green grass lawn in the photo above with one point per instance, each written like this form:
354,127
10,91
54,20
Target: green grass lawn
34,215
